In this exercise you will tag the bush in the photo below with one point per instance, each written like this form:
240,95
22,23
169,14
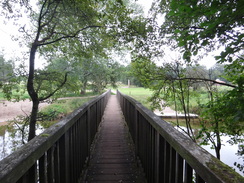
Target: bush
61,108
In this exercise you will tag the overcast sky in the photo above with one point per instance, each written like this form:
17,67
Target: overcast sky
12,49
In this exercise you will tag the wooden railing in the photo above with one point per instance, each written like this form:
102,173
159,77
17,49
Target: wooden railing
168,156
60,152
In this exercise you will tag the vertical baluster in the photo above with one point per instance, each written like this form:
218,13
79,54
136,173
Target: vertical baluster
80,143
161,159
143,144
20,180
188,173
179,169
172,164
136,135
56,163
26,178
74,153
71,153
88,124
75,150
50,170
43,169
157,157
153,150
85,138
149,148
166,161
64,157
199,179
140,138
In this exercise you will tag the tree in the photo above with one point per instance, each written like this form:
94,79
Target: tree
60,25
201,25
6,69
103,72
11,79
173,83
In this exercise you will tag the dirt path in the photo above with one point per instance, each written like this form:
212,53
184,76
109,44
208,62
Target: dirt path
10,110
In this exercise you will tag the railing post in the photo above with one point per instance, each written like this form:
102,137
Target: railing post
188,173
156,173
136,133
89,129
179,169
64,158
172,164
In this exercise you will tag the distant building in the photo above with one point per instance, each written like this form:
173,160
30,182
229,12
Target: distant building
219,81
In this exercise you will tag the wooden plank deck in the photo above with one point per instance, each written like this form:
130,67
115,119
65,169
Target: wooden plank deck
112,158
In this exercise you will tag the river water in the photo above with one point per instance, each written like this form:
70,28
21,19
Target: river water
228,152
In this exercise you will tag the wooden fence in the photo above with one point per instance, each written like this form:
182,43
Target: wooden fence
60,152
168,156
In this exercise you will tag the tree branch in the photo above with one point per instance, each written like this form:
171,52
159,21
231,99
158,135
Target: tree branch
52,93
204,79
42,42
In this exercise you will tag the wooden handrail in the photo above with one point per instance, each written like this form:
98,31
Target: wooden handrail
60,152
166,154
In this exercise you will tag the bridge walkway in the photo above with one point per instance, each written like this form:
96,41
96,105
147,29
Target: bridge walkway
112,157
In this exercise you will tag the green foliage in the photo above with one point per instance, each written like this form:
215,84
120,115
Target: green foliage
183,87
199,25
6,70
55,110
76,30
60,108
140,94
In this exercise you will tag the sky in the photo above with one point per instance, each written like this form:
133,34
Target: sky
12,49
207,60
9,46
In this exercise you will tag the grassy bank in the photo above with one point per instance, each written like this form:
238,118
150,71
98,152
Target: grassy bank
140,94
61,108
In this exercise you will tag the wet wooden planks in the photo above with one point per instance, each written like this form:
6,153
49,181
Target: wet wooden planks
112,159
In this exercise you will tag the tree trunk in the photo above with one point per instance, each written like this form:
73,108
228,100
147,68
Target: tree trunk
83,88
218,144
32,93
32,125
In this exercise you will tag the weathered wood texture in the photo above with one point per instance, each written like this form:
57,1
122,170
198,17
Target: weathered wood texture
166,154
112,158
60,152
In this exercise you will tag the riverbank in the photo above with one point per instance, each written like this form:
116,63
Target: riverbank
10,110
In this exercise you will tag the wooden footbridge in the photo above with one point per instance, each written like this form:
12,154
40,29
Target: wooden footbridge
93,144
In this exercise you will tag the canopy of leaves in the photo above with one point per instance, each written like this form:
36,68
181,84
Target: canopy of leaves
6,69
198,25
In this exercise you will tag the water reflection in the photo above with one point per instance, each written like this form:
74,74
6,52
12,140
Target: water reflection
11,140
228,152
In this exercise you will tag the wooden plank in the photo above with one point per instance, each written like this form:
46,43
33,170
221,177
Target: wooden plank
113,157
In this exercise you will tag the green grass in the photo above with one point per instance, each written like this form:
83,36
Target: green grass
1,96
65,106
140,94
61,108
195,124
136,91
87,94
20,95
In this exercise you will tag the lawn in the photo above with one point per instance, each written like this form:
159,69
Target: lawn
140,94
